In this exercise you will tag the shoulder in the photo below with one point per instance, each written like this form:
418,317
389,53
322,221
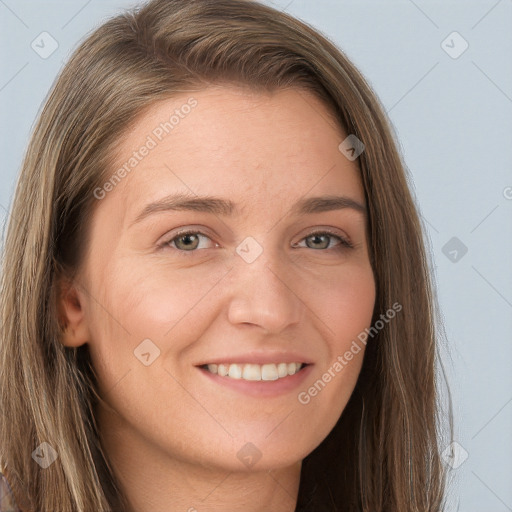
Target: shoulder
7,502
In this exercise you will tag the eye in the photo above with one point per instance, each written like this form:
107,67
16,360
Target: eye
189,241
321,240
186,241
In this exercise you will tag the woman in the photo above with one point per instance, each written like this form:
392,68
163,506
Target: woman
257,370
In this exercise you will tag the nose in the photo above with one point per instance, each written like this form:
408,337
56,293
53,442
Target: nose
264,293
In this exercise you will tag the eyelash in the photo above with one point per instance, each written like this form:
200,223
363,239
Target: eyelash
343,245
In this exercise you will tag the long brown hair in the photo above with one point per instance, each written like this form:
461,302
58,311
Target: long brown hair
384,452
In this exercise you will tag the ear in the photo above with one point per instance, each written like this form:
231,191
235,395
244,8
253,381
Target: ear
70,307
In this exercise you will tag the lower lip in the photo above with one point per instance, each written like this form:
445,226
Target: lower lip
262,388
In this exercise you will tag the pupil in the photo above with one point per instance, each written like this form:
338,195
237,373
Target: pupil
317,238
187,240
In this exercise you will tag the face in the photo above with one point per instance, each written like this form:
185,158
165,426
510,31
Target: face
265,277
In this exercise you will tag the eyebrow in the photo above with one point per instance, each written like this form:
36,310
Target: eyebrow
226,207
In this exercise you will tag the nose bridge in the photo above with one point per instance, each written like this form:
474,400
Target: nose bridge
262,293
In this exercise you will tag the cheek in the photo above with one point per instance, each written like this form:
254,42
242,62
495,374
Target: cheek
173,307
346,309
134,303
346,305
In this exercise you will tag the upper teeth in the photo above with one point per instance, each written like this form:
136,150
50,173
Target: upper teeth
255,371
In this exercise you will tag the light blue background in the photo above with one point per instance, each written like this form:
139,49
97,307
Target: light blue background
453,118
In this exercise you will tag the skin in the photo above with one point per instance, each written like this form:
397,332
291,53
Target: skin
173,435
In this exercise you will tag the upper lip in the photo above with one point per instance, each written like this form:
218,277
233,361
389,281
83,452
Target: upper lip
259,358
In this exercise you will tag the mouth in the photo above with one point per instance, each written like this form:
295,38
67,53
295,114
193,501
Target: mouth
269,380
255,372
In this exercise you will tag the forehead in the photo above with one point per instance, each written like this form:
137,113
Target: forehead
255,148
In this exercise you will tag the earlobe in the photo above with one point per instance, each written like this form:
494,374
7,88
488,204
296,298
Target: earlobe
74,328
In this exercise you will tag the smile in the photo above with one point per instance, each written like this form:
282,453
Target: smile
254,372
